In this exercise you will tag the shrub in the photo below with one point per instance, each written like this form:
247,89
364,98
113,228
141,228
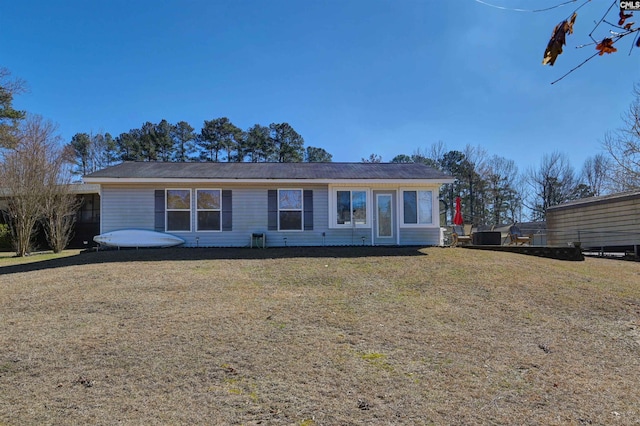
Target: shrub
5,237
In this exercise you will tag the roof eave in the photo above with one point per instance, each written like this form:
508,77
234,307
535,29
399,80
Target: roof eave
104,180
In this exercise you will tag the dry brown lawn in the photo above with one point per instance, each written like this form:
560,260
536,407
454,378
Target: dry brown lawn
335,336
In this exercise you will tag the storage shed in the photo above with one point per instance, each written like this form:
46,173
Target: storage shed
607,223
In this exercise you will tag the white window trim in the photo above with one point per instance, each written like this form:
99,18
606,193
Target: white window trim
435,220
301,210
167,209
333,214
207,210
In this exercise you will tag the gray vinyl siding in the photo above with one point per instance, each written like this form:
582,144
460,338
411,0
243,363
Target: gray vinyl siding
133,206
349,237
250,215
419,236
125,208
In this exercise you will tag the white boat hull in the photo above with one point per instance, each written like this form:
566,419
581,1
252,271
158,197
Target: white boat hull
137,238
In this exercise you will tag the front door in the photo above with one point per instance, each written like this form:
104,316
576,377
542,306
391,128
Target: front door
385,218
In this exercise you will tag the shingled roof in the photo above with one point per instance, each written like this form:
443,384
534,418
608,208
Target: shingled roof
275,171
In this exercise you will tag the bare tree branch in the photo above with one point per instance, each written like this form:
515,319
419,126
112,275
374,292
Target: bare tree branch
34,177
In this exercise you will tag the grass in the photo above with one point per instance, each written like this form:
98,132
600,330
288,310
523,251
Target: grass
318,337
9,258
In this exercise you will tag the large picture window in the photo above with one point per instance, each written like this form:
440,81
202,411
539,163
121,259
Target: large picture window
208,209
417,207
351,207
178,210
290,209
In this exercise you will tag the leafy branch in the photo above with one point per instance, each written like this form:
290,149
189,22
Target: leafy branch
602,46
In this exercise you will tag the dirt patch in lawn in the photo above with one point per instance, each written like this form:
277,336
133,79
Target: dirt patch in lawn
319,337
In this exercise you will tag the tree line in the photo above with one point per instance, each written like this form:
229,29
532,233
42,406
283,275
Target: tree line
495,192
218,140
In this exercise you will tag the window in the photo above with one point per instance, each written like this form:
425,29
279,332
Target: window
384,218
209,209
89,210
351,208
178,209
418,207
290,209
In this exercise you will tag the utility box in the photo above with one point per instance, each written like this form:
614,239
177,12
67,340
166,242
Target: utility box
486,238
259,239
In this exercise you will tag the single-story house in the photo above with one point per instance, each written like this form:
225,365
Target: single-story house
605,223
291,204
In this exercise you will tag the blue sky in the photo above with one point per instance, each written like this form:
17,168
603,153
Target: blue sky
354,77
